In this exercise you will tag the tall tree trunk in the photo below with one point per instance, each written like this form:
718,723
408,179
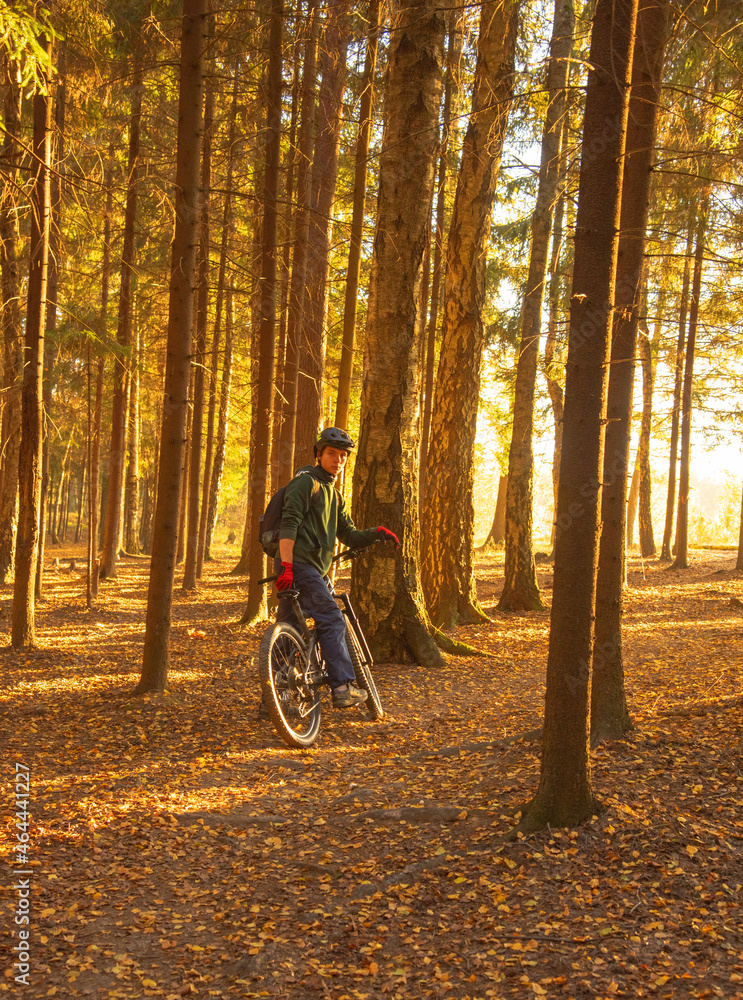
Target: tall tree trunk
520,587
259,459
632,501
279,400
609,713
117,454
177,370
665,552
551,366
222,422
64,501
94,440
438,255
94,433
11,323
81,499
447,555
256,250
204,543
565,795
51,351
23,632
357,219
647,540
385,486
297,288
310,386
497,531
131,491
682,521
58,510
199,363
180,549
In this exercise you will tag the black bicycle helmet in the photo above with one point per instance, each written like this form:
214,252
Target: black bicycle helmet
334,437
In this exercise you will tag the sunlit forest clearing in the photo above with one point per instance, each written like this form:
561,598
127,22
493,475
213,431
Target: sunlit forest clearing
180,849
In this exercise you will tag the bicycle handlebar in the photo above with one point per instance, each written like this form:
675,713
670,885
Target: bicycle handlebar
346,554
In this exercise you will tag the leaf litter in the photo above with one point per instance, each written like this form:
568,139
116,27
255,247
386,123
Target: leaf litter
180,849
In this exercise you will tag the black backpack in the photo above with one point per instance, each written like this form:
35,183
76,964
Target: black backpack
270,520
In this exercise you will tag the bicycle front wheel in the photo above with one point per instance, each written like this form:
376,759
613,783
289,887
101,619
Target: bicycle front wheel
364,679
294,706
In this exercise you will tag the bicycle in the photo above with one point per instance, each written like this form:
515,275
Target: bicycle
293,674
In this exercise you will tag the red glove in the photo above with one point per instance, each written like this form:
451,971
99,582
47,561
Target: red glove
285,579
385,535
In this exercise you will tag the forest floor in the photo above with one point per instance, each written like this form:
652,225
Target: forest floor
178,848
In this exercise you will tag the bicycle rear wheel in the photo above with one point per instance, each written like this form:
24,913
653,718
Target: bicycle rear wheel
294,707
364,679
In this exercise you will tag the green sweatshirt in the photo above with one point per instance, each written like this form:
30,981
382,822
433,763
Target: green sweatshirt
314,514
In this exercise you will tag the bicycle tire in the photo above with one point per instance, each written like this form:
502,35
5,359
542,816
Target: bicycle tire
364,678
294,709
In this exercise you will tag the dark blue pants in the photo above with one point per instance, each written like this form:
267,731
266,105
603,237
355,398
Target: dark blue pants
317,602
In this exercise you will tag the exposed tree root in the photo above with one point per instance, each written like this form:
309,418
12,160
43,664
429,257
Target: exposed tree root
450,645
423,645
536,814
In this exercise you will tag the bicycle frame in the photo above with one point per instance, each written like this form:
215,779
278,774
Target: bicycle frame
310,635
293,670
311,638
354,624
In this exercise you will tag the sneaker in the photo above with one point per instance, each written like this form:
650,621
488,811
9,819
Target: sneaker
349,698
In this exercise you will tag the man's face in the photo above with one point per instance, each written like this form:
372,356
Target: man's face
333,460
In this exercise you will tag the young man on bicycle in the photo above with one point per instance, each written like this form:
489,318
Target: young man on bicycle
313,515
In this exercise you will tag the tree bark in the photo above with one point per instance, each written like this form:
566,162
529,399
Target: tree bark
183,498
51,349
190,573
131,490
297,290
385,486
204,534
23,632
665,552
11,324
117,453
438,255
497,531
94,454
310,386
81,500
520,587
57,512
223,418
177,370
284,278
551,365
632,501
645,515
447,559
565,795
682,520
259,459
609,712
353,270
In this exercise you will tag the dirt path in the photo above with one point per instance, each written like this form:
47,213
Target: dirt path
178,848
